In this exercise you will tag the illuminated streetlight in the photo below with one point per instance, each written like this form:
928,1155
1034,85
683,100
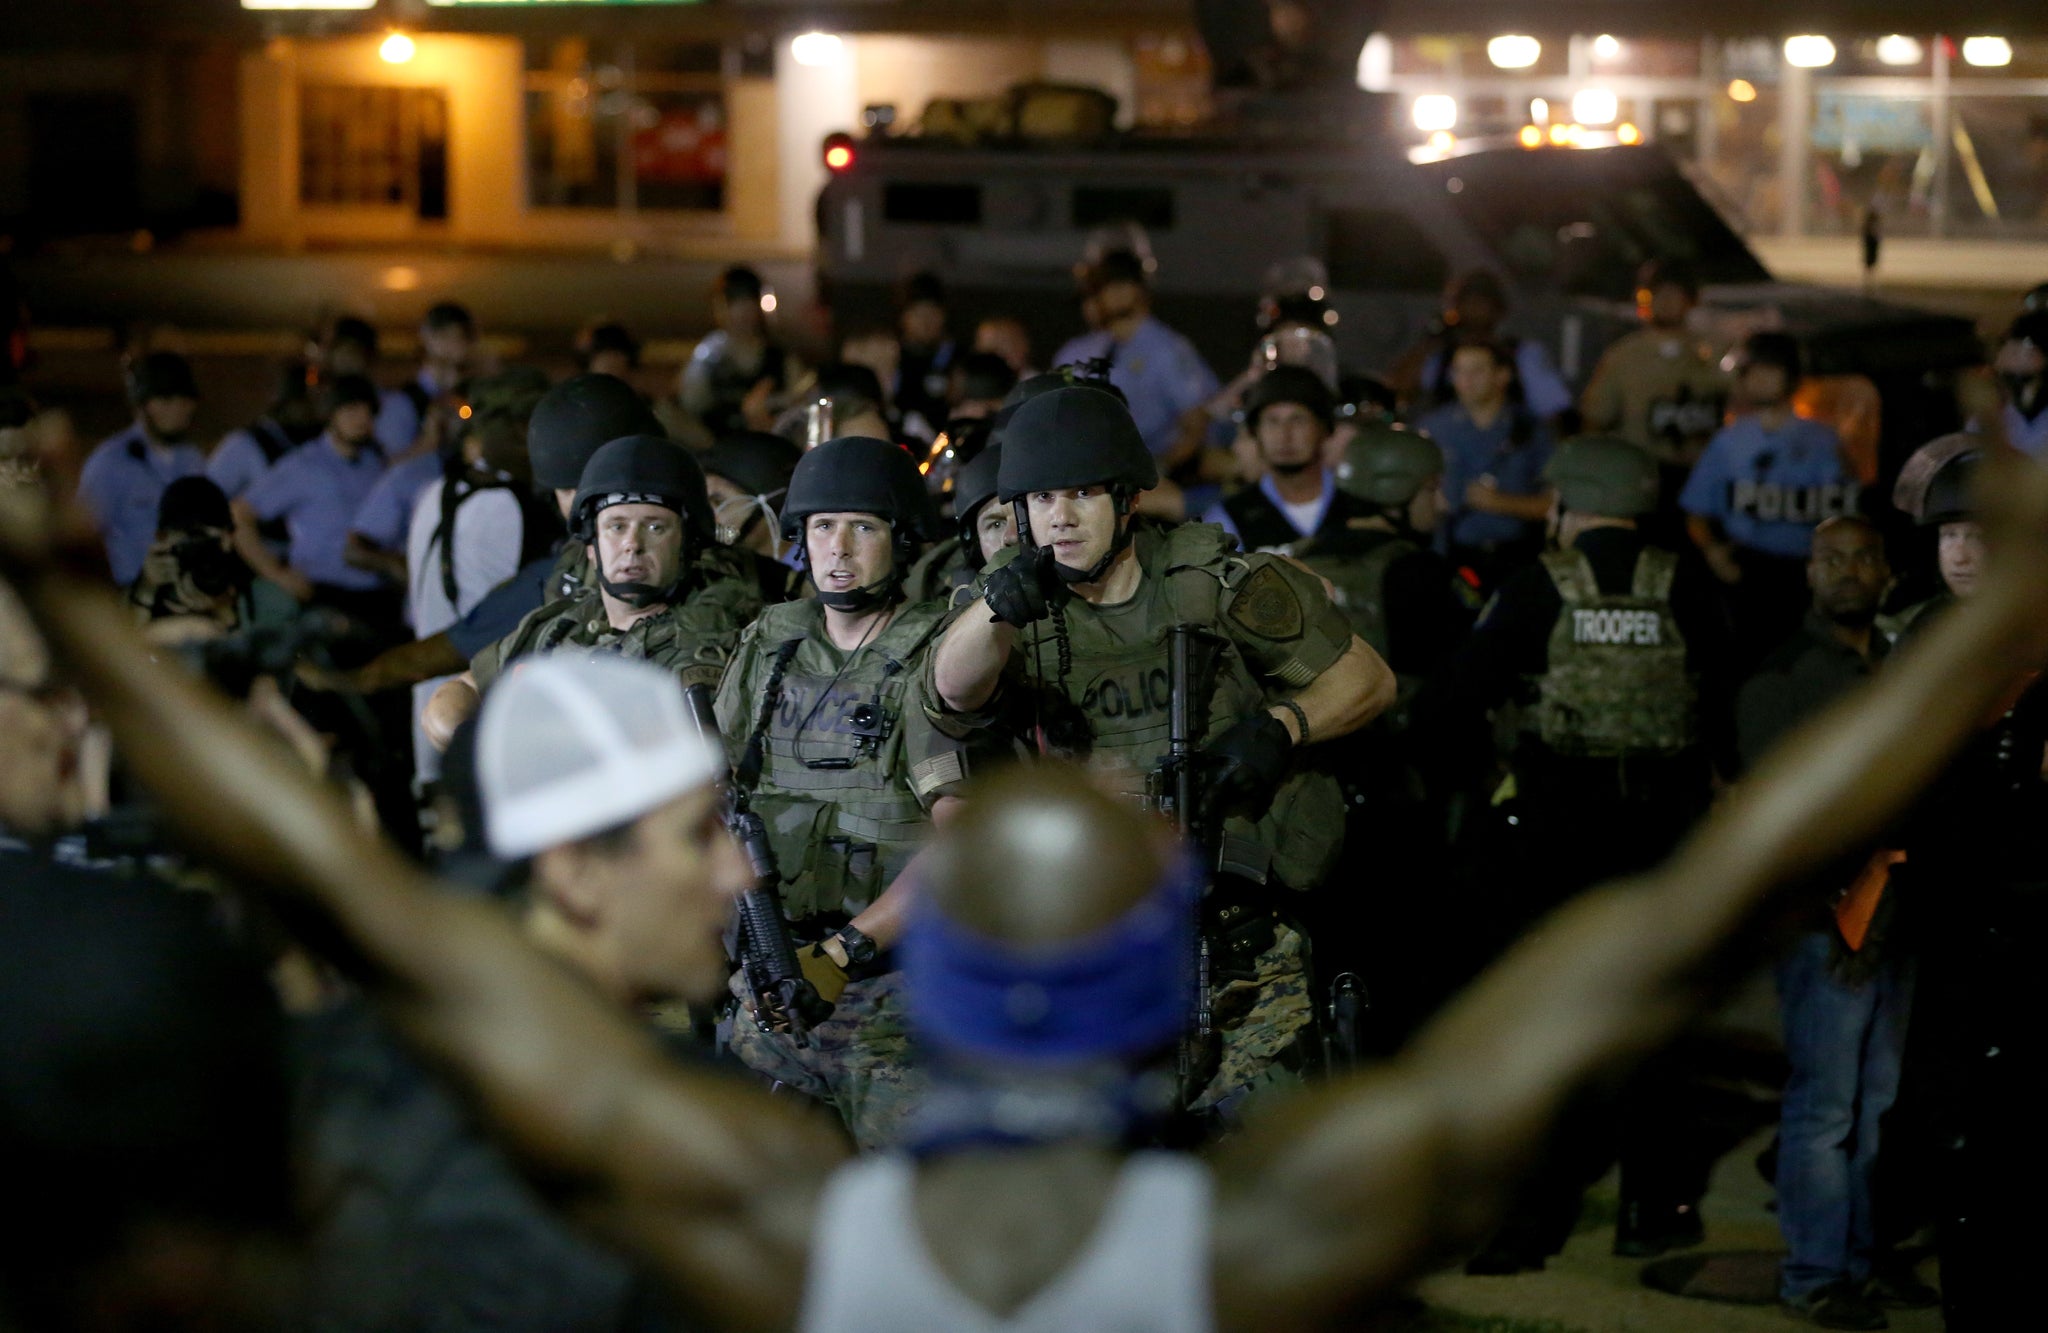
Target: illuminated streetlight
1539,110
1628,134
1595,106
1606,47
1513,52
1436,111
397,49
1532,137
1741,90
816,48
1809,52
1899,49
1987,52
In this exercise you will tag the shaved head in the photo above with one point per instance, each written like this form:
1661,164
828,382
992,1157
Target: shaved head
1040,856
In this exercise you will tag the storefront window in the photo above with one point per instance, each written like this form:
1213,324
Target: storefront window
374,146
626,126
1998,178
1870,152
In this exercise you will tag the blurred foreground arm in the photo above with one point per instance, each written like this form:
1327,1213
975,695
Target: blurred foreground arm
705,1178
1341,1194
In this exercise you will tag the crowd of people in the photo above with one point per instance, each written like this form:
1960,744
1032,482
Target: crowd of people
1275,835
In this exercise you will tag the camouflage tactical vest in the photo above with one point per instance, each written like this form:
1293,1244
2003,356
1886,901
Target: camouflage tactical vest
693,638
1358,583
940,573
836,785
570,576
1617,683
1118,680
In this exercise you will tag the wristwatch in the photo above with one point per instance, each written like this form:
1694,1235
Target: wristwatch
851,948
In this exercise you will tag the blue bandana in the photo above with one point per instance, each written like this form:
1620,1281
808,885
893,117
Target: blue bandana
1123,991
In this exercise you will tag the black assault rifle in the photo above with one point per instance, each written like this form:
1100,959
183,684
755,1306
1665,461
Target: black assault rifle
1179,791
783,1000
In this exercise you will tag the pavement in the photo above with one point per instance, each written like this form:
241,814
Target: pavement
1588,1290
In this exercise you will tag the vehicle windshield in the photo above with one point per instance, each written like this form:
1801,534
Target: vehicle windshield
1585,221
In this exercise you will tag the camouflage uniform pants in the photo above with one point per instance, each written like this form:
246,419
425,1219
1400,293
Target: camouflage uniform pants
1259,1021
858,1060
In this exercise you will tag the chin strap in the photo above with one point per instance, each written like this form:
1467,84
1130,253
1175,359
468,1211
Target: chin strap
1100,567
864,598
884,591
640,596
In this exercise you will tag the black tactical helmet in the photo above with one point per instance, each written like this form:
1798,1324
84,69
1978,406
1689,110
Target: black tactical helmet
1066,377
1934,487
1387,466
1604,476
574,418
512,394
755,461
1073,437
644,469
1290,384
975,487
858,475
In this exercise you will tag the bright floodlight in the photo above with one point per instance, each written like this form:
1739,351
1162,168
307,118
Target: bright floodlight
1809,52
1899,49
397,49
1376,63
1595,106
1987,52
816,48
1606,46
1513,51
1436,111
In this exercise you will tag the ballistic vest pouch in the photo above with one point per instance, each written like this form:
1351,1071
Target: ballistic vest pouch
1617,685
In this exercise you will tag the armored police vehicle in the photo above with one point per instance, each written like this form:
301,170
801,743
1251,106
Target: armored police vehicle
1003,219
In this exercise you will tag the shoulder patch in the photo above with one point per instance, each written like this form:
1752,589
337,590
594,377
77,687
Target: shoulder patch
1267,606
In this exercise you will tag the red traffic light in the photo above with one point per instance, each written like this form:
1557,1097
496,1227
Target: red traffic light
839,152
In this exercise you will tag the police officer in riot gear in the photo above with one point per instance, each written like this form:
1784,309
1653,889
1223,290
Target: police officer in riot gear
983,527
1975,905
1610,651
747,476
820,707
666,591
1078,619
1413,608
1289,413
570,423
1401,597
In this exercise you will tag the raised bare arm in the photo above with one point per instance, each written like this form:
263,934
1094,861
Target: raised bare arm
706,1178
1342,1193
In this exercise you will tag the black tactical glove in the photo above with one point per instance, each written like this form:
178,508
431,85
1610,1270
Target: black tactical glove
1250,760
1025,590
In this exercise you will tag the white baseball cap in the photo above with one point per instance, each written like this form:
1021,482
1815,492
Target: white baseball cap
572,744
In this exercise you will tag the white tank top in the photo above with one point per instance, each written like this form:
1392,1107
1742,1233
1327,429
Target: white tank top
1144,1270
